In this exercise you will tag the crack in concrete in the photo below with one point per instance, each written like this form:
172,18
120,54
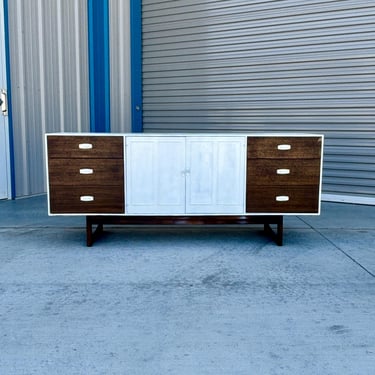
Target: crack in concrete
338,247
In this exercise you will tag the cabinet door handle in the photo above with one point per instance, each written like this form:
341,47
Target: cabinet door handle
85,146
282,198
86,171
283,171
284,147
86,198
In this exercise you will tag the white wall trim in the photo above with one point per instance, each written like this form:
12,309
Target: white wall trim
348,199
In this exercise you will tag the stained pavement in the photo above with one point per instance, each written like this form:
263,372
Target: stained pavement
190,300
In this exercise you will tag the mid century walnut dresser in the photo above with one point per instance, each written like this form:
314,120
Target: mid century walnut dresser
184,178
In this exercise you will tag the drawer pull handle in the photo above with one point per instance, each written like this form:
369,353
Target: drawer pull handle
283,171
86,171
282,198
284,147
86,198
85,146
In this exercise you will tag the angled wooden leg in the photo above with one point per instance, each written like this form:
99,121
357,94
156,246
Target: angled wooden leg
269,231
280,230
278,235
89,236
98,231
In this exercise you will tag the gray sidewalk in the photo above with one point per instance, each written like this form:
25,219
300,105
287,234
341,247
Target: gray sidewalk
187,300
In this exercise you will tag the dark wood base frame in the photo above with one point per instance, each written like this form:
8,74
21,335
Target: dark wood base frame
99,221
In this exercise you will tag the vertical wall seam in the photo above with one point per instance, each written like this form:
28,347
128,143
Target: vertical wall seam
61,65
40,27
106,67
41,66
22,90
78,64
90,27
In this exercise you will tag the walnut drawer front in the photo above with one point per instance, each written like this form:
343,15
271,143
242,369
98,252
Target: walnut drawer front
78,172
67,147
282,199
277,147
89,199
283,172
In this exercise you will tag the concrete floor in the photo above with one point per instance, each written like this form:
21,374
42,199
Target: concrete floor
186,300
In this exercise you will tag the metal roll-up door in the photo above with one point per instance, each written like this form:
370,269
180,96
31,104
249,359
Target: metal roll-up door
285,65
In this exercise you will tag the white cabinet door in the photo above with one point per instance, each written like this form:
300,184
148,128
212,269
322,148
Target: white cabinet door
215,179
155,175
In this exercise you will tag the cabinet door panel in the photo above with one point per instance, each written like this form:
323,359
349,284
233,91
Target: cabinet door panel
200,176
155,182
216,175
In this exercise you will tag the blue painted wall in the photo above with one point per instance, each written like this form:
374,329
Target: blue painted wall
98,32
99,65
136,64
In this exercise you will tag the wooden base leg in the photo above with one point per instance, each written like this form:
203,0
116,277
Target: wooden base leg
278,235
90,235
280,230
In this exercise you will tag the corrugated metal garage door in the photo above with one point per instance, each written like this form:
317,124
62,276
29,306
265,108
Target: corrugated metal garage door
268,66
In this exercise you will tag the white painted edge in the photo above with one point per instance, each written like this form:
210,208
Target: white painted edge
47,173
192,134
192,214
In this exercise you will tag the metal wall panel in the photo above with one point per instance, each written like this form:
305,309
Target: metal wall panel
287,65
49,80
120,81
